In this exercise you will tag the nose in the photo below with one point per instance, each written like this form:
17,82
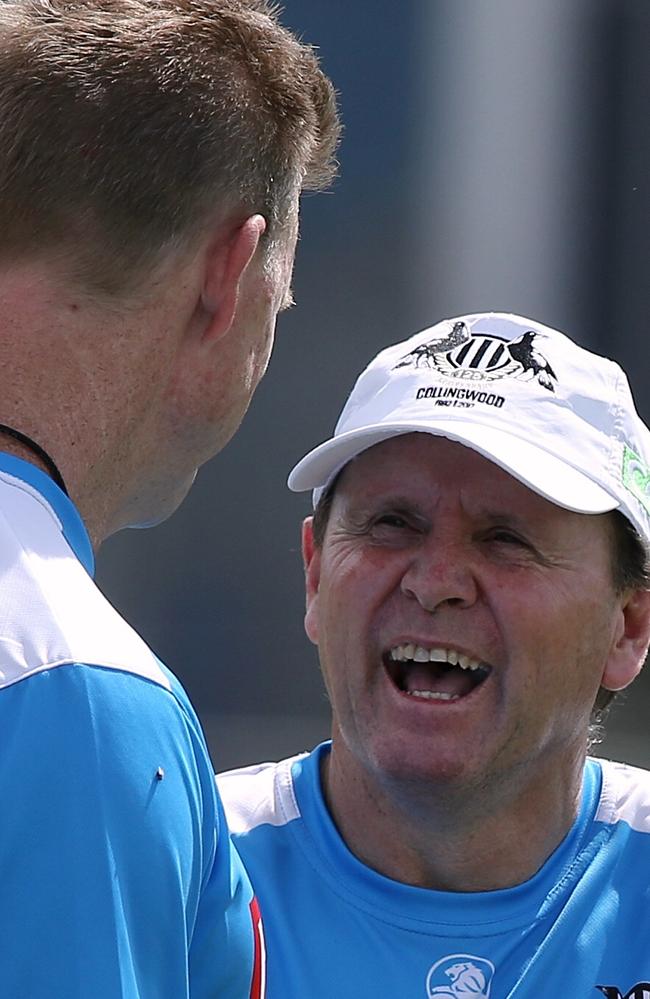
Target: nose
440,575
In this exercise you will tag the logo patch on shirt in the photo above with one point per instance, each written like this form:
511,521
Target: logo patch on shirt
483,356
460,976
639,991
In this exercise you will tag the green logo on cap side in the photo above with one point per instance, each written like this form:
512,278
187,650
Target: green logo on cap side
636,477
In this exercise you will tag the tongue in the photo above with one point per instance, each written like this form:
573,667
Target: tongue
440,678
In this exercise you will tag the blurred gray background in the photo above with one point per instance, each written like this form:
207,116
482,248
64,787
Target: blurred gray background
496,156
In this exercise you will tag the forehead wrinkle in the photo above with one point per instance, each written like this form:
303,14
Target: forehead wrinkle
432,481
426,503
509,513
500,515
372,501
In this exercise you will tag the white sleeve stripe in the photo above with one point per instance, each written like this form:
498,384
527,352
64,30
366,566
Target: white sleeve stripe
259,795
625,796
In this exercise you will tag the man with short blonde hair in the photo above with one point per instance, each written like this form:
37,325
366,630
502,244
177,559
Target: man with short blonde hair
152,155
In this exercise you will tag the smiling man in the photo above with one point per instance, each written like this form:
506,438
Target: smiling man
478,587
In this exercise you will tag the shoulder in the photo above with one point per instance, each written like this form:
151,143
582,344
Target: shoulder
51,611
82,736
83,699
262,794
80,698
625,796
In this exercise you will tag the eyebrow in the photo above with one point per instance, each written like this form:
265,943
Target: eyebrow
374,502
507,516
362,510
402,504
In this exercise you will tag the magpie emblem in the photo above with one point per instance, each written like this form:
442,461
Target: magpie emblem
532,360
483,356
425,353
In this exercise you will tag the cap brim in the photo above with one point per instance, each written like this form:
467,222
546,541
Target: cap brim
544,473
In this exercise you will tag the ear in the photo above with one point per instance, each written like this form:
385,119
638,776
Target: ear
311,557
225,264
631,641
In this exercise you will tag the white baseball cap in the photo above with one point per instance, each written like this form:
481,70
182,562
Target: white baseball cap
559,418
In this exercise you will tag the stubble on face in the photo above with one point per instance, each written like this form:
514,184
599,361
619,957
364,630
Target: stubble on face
512,580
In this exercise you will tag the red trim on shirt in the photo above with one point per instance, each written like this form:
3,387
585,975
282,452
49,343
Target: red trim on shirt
258,984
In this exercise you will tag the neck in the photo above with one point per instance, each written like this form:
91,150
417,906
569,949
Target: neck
16,442
456,839
77,382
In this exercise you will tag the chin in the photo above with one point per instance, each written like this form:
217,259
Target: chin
164,506
439,774
410,768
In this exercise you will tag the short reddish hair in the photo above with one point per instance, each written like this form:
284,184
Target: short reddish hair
126,124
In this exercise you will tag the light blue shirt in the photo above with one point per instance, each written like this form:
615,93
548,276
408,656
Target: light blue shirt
118,879
335,929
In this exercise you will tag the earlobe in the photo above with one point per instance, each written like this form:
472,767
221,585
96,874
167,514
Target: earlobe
630,646
311,563
225,265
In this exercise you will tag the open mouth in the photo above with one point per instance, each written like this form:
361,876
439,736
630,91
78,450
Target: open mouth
434,674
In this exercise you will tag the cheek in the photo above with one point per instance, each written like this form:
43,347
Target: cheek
332,607
354,590
260,349
267,348
569,643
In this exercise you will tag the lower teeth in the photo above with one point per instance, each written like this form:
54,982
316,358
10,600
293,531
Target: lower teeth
433,695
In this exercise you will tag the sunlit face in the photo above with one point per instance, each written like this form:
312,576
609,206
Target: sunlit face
464,623
198,386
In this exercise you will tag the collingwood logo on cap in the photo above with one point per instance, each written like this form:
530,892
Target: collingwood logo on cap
483,356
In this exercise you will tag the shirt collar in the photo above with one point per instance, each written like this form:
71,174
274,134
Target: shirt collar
72,526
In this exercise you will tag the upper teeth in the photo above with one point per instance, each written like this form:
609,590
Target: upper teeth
418,654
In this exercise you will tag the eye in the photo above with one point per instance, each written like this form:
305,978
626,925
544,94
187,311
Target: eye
391,520
393,527
386,524
507,537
